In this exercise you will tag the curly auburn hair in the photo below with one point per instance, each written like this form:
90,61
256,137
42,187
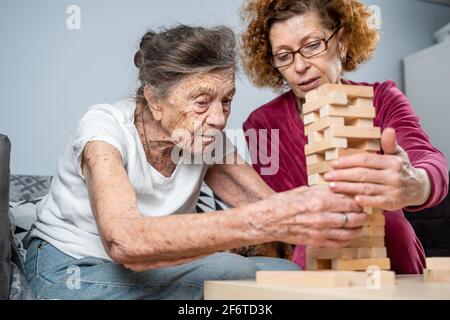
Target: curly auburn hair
260,15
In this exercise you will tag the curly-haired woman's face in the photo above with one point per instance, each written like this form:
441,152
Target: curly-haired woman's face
306,74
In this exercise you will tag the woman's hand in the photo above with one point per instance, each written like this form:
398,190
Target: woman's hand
386,181
309,216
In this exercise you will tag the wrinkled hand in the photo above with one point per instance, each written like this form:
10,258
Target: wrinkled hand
311,216
386,181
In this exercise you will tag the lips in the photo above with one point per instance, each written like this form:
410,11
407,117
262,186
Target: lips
304,83
309,84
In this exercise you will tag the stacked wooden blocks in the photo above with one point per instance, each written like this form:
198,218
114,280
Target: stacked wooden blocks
339,122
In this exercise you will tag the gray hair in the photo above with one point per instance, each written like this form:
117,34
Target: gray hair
166,57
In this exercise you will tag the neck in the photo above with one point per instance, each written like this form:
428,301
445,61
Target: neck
156,140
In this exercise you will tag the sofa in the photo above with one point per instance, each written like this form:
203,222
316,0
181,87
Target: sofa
432,225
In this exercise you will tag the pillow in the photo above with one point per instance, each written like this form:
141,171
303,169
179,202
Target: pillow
26,187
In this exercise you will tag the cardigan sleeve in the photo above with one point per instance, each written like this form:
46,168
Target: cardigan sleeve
396,112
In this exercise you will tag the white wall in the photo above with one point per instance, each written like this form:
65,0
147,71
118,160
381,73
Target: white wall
50,75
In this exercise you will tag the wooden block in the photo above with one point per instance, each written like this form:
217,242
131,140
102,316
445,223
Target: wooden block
362,102
324,123
360,264
318,264
350,90
308,278
312,95
327,253
436,275
367,242
339,153
375,220
350,112
314,159
373,231
438,263
311,118
365,123
368,210
367,145
371,253
315,136
315,179
355,132
320,167
332,98
378,279
324,145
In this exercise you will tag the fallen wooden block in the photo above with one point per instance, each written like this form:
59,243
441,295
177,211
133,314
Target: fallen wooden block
436,275
314,278
438,263
372,279
360,264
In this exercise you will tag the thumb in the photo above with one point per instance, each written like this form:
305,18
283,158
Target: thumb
389,141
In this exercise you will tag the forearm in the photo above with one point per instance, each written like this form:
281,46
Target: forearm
165,241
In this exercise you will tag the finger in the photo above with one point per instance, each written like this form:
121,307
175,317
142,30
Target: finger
362,175
355,188
354,220
365,160
381,202
343,234
389,141
331,220
326,200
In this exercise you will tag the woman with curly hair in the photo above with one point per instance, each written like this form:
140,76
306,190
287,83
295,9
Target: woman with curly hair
302,44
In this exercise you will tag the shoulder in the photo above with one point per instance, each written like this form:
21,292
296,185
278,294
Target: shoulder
268,113
121,112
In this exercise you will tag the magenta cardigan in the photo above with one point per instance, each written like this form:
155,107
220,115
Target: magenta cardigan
392,110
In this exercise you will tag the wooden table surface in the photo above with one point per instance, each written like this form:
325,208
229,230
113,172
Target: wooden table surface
406,288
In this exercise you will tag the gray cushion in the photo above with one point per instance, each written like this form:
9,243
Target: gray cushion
5,238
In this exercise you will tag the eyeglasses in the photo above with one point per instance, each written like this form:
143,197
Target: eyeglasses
307,51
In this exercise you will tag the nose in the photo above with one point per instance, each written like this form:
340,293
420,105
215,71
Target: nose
300,64
216,116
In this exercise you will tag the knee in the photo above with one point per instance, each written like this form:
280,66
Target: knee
228,266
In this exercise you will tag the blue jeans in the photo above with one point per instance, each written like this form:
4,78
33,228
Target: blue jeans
55,275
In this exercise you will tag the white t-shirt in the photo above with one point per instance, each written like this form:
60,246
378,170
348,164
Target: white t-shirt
65,218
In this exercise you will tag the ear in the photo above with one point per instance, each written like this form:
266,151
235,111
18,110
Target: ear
153,102
343,45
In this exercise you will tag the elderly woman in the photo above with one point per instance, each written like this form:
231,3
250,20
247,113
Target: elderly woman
119,220
303,44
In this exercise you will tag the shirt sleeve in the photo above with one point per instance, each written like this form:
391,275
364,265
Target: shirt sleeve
396,112
98,124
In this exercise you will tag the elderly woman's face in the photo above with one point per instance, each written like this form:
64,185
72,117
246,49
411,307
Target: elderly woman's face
196,110
307,74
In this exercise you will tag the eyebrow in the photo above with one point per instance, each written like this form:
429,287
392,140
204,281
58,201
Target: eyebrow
208,91
303,41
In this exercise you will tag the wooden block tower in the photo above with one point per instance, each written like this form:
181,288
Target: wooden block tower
339,122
